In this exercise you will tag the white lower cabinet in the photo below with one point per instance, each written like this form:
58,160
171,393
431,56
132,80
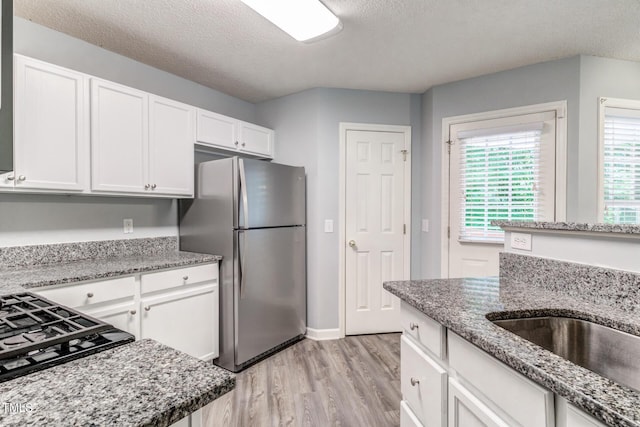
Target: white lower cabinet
177,307
424,385
183,320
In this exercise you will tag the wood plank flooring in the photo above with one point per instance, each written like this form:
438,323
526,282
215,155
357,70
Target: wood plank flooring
350,382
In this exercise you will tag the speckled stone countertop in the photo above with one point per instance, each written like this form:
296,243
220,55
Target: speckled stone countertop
463,304
77,271
140,384
628,229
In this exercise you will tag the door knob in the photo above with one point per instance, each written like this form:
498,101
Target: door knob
352,243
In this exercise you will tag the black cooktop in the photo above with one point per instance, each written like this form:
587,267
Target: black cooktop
36,333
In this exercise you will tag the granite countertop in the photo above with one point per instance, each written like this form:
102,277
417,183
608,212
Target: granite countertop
463,304
143,383
626,229
16,279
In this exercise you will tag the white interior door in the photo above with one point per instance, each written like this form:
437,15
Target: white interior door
499,169
376,228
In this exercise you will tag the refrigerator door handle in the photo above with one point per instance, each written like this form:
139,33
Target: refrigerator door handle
242,252
243,195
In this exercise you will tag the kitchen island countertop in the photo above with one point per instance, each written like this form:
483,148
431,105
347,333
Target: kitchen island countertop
143,383
462,305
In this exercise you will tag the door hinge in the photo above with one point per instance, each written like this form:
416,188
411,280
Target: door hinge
449,144
404,154
404,228
448,232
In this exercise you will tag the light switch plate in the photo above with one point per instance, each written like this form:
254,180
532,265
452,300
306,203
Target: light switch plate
521,241
328,226
127,225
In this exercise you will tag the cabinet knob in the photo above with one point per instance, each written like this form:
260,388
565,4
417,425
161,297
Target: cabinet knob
243,144
147,308
133,312
185,278
414,382
153,186
236,143
413,326
11,178
90,295
146,187
22,178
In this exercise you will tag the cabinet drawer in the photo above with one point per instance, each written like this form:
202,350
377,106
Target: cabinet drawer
407,417
162,280
82,294
424,330
424,385
523,400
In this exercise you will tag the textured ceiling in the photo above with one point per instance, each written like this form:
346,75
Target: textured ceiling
388,45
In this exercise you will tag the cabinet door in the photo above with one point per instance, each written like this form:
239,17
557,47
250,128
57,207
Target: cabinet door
256,139
424,385
184,320
217,130
51,132
119,138
171,139
122,316
466,410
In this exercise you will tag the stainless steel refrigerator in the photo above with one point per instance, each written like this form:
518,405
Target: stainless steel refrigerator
252,213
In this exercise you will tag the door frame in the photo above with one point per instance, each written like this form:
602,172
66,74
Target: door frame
342,205
560,108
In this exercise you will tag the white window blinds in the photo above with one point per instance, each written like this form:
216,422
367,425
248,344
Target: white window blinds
500,174
621,164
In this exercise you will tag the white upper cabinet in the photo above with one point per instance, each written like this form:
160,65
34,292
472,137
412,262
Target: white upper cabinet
256,140
140,143
231,134
51,127
171,138
119,138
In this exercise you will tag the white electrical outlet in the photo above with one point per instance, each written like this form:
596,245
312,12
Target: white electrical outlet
328,226
521,241
425,225
127,224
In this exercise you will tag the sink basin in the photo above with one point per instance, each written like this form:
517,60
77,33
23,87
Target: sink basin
611,353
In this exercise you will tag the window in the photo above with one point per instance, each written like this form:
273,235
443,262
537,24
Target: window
619,201
500,178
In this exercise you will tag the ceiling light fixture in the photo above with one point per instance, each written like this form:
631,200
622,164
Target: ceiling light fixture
304,20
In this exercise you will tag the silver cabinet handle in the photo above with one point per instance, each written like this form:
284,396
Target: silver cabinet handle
153,186
413,326
414,382
22,178
11,178
352,243
133,312
146,187
90,295
147,308
185,278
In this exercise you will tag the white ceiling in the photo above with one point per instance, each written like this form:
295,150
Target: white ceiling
388,45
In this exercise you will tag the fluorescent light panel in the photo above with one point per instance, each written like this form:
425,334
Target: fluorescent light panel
304,20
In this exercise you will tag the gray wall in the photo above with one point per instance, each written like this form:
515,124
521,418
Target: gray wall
599,77
34,219
533,84
306,126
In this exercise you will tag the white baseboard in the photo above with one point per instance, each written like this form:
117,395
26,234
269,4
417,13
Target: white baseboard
323,334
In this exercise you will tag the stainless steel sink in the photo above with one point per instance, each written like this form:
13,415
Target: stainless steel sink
611,353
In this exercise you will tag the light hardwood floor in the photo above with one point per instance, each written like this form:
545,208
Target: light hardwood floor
350,382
